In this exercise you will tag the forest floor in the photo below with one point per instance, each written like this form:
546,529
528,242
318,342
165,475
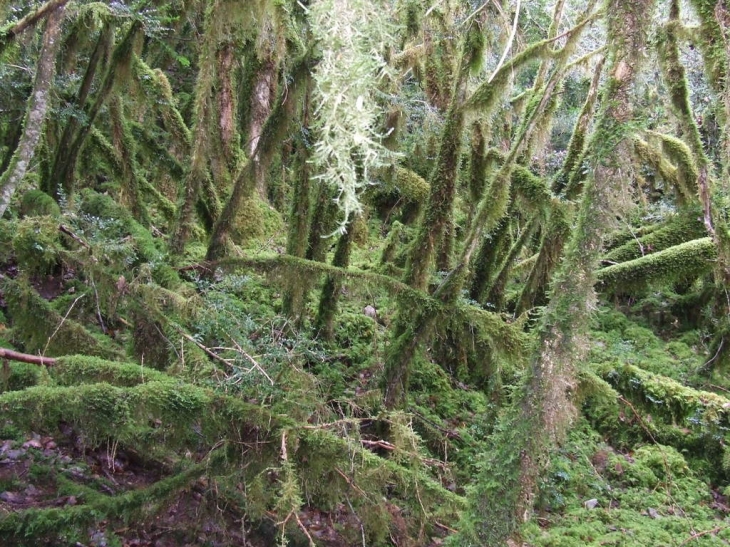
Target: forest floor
644,464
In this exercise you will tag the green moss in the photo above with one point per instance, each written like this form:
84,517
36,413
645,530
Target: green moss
680,262
18,376
531,189
64,524
668,399
410,185
37,244
650,497
82,369
38,203
674,231
40,329
256,220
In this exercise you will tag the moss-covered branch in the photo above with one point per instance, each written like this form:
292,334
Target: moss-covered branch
10,31
674,231
681,262
41,329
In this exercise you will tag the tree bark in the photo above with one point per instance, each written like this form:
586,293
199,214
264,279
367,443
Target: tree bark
37,108
296,245
261,104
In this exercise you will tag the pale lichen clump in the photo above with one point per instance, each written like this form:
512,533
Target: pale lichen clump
352,35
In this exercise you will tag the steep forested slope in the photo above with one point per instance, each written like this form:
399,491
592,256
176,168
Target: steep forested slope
349,272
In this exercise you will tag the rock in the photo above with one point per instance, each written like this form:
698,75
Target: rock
370,312
11,497
653,513
15,454
5,446
591,504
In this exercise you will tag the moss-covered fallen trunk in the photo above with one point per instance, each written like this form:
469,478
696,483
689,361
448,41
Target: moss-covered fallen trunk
281,461
675,231
678,263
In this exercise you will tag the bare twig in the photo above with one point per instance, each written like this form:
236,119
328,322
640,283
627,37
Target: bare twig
509,42
379,444
71,307
201,346
284,456
306,532
700,534
98,308
66,230
251,360
351,483
444,527
706,365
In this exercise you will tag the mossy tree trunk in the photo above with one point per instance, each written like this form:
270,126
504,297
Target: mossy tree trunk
198,172
99,56
296,245
567,185
330,297
507,486
439,207
124,143
272,133
64,163
38,106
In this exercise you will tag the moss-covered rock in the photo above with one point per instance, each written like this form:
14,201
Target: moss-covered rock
255,220
38,203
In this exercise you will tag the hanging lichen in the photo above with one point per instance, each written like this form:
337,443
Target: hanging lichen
353,35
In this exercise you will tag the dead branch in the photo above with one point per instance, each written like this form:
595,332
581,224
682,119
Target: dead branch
379,444
27,358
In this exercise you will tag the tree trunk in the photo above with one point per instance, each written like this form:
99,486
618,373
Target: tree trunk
198,175
64,164
328,302
100,53
296,245
262,98
38,105
506,490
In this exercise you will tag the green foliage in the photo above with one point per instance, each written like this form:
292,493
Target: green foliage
650,496
188,365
